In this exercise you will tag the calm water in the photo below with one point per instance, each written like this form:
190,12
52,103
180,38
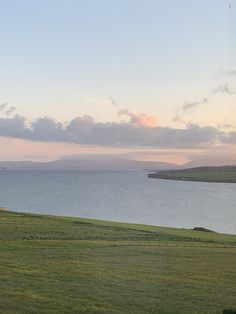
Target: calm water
121,196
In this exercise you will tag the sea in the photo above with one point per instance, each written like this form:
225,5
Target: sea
125,196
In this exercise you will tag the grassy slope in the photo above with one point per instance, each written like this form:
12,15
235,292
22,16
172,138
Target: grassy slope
71,265
207,174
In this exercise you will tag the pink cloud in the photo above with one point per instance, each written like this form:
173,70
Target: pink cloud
141,119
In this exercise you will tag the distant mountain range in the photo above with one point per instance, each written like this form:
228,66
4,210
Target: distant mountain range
82,164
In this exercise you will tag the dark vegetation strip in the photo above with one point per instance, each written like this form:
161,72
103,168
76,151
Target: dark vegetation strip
225,174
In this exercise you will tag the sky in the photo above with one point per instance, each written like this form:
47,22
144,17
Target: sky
149,80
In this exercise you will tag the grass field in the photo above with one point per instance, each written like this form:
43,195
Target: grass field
71,265
225,174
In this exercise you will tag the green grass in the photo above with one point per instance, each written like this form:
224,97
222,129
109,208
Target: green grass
225,174
71,265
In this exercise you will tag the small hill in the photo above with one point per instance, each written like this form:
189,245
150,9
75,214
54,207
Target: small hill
224,174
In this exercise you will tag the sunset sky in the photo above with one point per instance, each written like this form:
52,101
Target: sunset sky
137,79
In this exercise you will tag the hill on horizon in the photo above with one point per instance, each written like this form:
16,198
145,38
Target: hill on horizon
96,164
114,164
223,174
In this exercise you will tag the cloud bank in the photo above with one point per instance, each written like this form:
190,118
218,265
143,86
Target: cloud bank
141,130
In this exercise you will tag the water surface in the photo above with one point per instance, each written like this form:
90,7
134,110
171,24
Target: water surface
127,196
